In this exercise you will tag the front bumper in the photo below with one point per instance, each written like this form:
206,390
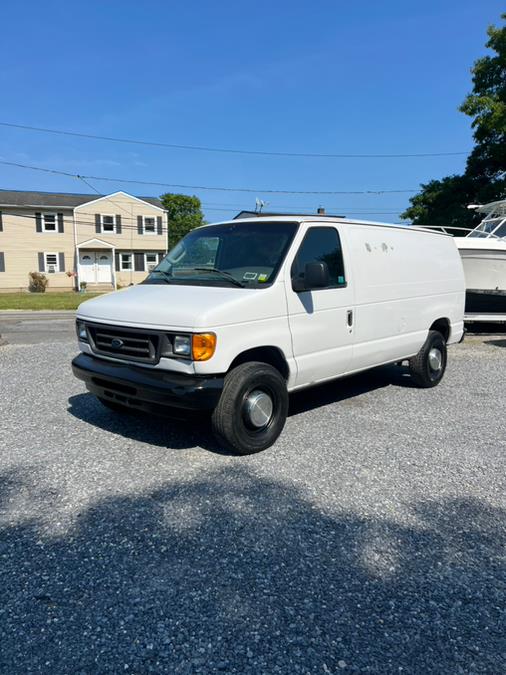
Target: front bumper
146,389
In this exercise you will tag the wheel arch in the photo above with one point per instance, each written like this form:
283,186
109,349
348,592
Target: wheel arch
265,354
443,326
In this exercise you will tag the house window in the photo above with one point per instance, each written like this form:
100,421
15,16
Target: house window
51,263
108,223
151,261
125,262
149,224
49,223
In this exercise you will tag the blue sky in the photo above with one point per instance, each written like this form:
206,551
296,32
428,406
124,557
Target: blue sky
326,76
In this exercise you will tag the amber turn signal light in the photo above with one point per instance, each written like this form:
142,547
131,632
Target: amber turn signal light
203,346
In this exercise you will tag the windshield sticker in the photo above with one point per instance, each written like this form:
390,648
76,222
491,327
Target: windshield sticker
250,276
262,278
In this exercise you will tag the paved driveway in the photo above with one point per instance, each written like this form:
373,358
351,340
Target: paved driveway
22,327
370,538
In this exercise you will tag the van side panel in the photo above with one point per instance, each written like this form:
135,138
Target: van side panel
404,281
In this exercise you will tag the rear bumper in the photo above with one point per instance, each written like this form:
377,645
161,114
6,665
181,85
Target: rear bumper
146,389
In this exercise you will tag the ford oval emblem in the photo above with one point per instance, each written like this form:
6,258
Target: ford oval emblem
116,343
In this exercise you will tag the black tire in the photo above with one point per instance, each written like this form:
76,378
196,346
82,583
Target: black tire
421,367
232,418
112,405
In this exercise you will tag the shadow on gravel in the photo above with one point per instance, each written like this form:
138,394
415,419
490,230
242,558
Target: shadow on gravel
348,388
496,343
240,574
185,430
173,432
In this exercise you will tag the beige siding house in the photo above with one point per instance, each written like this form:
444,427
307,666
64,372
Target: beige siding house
73,239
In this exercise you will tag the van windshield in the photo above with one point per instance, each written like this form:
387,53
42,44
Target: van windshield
246,255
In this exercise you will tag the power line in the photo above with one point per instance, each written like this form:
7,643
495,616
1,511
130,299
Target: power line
206,187
165,229
70,221
201,148
274,205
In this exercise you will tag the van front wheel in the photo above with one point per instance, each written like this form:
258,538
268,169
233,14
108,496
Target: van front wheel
428,366
252,409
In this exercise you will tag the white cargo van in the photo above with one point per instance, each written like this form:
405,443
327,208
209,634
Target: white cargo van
241,313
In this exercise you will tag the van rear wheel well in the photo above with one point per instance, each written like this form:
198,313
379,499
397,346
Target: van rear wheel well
442,326
271,355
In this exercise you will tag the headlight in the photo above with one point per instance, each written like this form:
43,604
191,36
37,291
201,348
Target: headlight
182,345
81,331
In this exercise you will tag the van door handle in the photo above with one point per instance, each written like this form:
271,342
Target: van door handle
349,317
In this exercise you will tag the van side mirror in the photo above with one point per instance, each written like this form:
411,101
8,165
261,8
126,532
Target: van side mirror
316,275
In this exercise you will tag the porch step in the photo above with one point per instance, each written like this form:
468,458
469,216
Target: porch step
99,287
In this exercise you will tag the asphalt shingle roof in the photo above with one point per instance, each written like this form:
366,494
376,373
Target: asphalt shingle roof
55,199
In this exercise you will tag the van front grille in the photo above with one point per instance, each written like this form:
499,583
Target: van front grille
124,343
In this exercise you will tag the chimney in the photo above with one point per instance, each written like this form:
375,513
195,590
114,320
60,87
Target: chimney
320,211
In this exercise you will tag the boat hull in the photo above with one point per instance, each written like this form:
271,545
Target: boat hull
485,302
485,274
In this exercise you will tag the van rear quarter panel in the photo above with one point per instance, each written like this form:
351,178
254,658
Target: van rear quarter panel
404,281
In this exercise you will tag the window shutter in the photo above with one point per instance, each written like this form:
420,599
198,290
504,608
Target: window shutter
159,225
1,222
118,224
139,262
60,222
116,262
38,222
2,262
41,262
139,225
61,257
97,223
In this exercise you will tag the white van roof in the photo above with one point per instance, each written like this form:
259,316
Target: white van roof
310,218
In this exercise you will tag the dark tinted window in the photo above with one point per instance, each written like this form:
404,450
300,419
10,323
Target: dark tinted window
321,244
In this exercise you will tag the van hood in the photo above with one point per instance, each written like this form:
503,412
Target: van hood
180,307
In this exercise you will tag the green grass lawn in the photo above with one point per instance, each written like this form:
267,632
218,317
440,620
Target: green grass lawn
69,300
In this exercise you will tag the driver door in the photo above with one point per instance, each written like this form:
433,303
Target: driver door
321,320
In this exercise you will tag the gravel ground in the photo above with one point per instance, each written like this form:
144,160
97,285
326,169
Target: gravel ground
370,538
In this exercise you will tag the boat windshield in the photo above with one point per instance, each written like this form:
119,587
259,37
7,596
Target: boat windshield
490,226
241,254
501,231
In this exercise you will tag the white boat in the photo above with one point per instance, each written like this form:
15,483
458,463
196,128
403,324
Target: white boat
483,253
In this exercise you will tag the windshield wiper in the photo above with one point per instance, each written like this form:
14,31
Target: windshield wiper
225,275
166,275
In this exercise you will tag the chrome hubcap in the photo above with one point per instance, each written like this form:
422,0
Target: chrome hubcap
435,359
259,408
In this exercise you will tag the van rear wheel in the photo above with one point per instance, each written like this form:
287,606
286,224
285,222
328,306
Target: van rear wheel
252,409
428,366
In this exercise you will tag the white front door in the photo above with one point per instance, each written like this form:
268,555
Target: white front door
87,267
321,320
104,267
95,267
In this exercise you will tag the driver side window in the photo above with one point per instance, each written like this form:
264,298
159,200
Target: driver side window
321,244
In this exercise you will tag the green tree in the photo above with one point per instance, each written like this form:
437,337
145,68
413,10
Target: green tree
184,214
444,202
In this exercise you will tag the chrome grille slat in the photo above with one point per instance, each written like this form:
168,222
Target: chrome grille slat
111,336
136,344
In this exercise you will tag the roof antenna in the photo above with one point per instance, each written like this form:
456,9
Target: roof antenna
259,205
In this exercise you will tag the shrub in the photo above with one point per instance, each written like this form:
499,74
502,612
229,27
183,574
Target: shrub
38,282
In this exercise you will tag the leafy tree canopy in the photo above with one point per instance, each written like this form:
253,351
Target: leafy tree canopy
184,214
444,202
